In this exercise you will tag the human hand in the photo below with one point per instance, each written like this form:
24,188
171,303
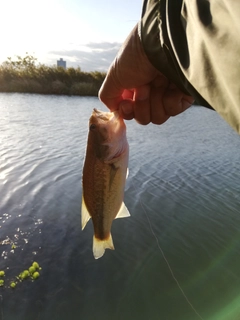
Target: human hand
138,90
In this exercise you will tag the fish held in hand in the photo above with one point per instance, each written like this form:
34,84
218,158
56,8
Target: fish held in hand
104,175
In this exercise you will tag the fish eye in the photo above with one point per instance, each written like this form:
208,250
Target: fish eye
92,127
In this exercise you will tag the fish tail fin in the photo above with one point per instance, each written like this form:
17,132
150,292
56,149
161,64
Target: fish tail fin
99,246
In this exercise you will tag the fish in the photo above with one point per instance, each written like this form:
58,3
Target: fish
104,176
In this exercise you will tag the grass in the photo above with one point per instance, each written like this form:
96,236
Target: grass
24,75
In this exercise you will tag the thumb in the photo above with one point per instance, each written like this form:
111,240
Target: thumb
111,91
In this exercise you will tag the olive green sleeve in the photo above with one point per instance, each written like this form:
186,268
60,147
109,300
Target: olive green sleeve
196,44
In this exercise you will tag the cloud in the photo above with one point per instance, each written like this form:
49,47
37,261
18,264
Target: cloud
103,45
90,57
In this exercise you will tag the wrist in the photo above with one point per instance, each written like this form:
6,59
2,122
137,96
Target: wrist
132,66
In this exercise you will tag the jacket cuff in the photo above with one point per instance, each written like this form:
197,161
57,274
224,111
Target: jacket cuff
153,31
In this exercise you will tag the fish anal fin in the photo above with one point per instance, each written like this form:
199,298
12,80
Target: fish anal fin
99,246
85,214
123,212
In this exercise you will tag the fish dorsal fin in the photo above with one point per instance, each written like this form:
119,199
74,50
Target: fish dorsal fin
99,246
85,214
123,212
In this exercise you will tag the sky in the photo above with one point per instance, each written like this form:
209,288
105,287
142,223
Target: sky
85,33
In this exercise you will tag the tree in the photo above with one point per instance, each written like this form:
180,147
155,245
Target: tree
26,63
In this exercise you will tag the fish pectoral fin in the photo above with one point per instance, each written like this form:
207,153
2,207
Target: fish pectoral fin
123,212
99,246
85,214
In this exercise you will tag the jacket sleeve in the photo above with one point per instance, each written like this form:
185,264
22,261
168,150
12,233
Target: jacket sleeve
196,45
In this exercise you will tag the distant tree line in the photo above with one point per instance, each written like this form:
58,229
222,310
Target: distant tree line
24,75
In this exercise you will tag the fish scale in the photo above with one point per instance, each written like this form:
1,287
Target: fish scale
104,176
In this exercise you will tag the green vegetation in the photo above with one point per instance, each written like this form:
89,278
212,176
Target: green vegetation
24,275
36,275
32,273
25,75
32,269
2,273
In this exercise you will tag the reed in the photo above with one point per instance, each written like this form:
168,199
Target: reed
25,75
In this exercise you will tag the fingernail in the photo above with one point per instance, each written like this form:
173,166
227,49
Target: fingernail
189,99
126,106
185,104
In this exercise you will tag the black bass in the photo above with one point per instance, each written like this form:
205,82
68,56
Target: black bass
104,175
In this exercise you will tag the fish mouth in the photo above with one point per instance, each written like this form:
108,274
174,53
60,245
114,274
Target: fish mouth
116,114
101,114
105,116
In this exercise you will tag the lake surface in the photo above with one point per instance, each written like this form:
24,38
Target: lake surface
183,193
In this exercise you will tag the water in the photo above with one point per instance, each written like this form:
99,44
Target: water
184,177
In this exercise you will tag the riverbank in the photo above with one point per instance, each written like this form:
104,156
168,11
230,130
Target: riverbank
24,76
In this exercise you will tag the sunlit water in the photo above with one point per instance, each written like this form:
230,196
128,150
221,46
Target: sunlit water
184,177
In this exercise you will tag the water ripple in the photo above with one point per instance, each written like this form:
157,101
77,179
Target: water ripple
186,174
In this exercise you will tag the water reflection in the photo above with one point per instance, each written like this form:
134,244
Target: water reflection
184,175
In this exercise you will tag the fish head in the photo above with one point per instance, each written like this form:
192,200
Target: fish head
107,132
